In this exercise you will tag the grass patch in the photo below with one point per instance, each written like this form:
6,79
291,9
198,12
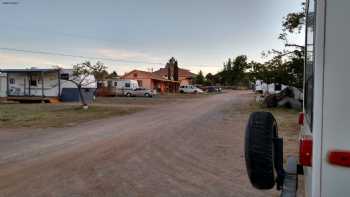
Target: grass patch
54,115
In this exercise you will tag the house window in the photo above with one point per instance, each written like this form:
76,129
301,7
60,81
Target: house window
278,87
139,83
12,81
33,83
65,76
135,75
115,83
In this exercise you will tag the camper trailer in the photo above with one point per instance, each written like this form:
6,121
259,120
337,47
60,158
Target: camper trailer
37,84
324,155
122,86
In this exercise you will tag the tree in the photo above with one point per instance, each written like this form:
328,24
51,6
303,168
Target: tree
286,66
114,74
234,72
228,65
173,69
210,79
239,69
200,78
102,74
81,76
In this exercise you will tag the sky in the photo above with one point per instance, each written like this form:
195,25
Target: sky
139,34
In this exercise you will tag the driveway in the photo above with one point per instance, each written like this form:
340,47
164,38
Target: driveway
188,149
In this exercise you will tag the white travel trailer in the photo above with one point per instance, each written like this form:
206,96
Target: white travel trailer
324,155
126,84
123,85
43,85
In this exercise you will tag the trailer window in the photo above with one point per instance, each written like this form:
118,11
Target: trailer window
65,76
309,61
33,83
12,81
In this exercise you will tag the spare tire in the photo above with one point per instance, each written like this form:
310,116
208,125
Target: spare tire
259,149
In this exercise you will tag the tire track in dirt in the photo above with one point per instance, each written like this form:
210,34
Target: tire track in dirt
191,149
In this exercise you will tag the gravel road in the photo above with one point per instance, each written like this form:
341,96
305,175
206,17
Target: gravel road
188,149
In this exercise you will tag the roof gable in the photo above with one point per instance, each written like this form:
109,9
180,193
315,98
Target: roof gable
182,72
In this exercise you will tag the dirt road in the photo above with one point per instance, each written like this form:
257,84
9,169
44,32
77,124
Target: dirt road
189,149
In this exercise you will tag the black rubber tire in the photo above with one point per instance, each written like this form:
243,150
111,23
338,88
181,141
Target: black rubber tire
128,94
182,92
147,95
259,149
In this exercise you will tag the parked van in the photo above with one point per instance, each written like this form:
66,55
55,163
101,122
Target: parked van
121,86
324,155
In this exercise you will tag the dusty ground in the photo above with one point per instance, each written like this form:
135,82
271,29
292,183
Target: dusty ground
149,102
191,149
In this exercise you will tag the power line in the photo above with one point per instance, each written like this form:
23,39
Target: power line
16,50
77,56
86,37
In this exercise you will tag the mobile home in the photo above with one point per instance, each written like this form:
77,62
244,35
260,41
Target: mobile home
42,85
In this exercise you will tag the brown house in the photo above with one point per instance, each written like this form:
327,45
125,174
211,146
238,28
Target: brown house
184,75
152,81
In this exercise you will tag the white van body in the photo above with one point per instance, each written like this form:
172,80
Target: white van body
126,84
122,85
327,96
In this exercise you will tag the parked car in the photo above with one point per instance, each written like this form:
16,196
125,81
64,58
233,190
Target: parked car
139,92
213,89
190,89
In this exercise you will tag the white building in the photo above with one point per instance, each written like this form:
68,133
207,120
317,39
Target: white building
42,84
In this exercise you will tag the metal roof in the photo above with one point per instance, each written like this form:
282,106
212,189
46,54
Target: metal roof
29,70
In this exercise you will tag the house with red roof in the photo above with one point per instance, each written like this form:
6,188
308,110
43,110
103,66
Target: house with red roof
153,81
185,76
